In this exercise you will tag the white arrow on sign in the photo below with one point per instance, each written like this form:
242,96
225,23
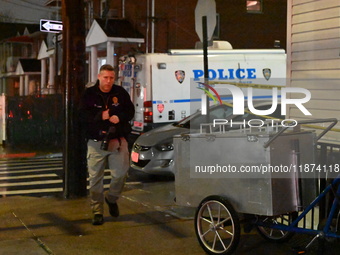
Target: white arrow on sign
49,26
52,26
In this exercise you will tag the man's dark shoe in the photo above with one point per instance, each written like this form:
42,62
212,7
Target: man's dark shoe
113,208
98,219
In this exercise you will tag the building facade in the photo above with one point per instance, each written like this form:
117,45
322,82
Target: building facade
166,25
163,25
313,56
171,24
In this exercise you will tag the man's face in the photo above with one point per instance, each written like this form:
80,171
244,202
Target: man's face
106,80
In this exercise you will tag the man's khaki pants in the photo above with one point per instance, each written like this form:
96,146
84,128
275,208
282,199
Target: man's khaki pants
116,159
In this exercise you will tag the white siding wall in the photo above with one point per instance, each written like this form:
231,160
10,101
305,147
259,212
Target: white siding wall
313,53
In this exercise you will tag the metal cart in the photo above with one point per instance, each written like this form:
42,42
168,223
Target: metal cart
263,178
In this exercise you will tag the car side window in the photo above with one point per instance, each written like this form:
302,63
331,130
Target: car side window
219,112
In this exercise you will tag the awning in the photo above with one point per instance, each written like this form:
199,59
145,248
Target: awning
114,30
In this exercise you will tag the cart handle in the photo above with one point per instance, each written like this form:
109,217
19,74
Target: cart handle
333,120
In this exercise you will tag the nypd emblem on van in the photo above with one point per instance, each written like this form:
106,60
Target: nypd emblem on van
267,73
180,75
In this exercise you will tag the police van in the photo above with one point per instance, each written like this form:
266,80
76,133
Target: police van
167,87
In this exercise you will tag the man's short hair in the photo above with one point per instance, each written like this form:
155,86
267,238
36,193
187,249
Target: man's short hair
106,67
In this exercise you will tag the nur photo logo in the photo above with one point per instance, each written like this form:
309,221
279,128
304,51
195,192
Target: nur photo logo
239,98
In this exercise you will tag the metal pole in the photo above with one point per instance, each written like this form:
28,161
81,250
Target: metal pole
205,63
153,26
147,26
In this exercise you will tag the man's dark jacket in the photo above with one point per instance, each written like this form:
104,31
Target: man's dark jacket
94,102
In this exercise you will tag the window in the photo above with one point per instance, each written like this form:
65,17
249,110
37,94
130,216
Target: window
254,6
103,9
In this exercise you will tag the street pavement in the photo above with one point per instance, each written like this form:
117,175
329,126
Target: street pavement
57,226
150,223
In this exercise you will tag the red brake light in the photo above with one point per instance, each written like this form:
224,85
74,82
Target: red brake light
148,111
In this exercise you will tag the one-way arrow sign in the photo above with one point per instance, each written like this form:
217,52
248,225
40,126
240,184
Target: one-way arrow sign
51,26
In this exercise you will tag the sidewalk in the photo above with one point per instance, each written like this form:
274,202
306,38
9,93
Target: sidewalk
52,225
58,226
149,224
40,226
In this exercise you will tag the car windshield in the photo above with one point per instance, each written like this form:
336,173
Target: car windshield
216,112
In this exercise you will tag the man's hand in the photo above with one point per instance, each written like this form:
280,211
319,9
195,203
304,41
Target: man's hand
114,119
105,115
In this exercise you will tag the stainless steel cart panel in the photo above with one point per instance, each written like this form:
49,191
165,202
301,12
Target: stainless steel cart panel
263,194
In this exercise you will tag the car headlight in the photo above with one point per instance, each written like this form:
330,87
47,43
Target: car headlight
165,147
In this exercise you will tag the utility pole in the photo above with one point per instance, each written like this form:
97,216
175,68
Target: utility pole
73,83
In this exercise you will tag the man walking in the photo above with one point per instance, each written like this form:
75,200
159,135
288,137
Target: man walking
106,110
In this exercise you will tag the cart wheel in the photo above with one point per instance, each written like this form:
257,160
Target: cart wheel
217,226
276,235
